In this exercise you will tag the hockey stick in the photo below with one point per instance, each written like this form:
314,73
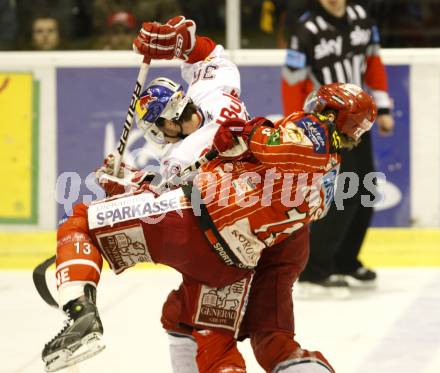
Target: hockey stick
142,76
39,277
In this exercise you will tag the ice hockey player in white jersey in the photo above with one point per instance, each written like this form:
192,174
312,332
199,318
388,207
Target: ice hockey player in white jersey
168,115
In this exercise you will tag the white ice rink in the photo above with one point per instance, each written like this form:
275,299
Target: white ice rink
392,329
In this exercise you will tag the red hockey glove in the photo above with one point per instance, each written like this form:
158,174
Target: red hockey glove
112,185
232,137
176,38
128,179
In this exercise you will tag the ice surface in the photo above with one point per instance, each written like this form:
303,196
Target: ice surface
392,329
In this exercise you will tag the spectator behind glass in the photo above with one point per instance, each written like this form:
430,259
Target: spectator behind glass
45,33
120,31
263,22
74,21
159,10
8,25
272,20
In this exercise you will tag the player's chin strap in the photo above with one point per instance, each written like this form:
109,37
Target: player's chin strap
39,277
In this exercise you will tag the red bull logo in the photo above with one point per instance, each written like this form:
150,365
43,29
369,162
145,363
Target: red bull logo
142,104
145,100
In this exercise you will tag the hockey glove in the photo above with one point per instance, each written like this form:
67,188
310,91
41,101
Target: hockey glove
232,137
175,39
128,179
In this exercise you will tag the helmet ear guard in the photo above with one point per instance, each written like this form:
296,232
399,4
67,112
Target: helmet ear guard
356,110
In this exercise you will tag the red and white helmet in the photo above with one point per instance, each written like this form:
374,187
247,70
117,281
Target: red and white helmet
356,110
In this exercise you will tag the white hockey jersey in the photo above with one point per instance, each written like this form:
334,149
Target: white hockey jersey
214,86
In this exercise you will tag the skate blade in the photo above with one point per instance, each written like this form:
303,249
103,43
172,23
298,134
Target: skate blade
89,346
355,283
309,291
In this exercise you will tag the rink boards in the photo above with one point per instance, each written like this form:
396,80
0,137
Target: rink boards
397,247
79,100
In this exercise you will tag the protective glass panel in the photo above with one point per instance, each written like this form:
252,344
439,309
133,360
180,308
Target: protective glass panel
112,25
98,24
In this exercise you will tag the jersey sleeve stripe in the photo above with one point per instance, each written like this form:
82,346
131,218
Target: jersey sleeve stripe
78,262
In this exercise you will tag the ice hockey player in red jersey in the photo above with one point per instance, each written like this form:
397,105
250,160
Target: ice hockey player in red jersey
250,199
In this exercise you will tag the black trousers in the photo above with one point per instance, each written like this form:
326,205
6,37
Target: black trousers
336,240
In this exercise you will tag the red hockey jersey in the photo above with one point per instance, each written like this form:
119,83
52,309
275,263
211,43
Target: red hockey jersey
256,203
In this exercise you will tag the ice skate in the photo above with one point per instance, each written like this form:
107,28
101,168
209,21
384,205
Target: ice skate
332,287
361,278
80,338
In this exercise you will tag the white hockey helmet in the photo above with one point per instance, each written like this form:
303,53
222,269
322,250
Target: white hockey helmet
162,98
